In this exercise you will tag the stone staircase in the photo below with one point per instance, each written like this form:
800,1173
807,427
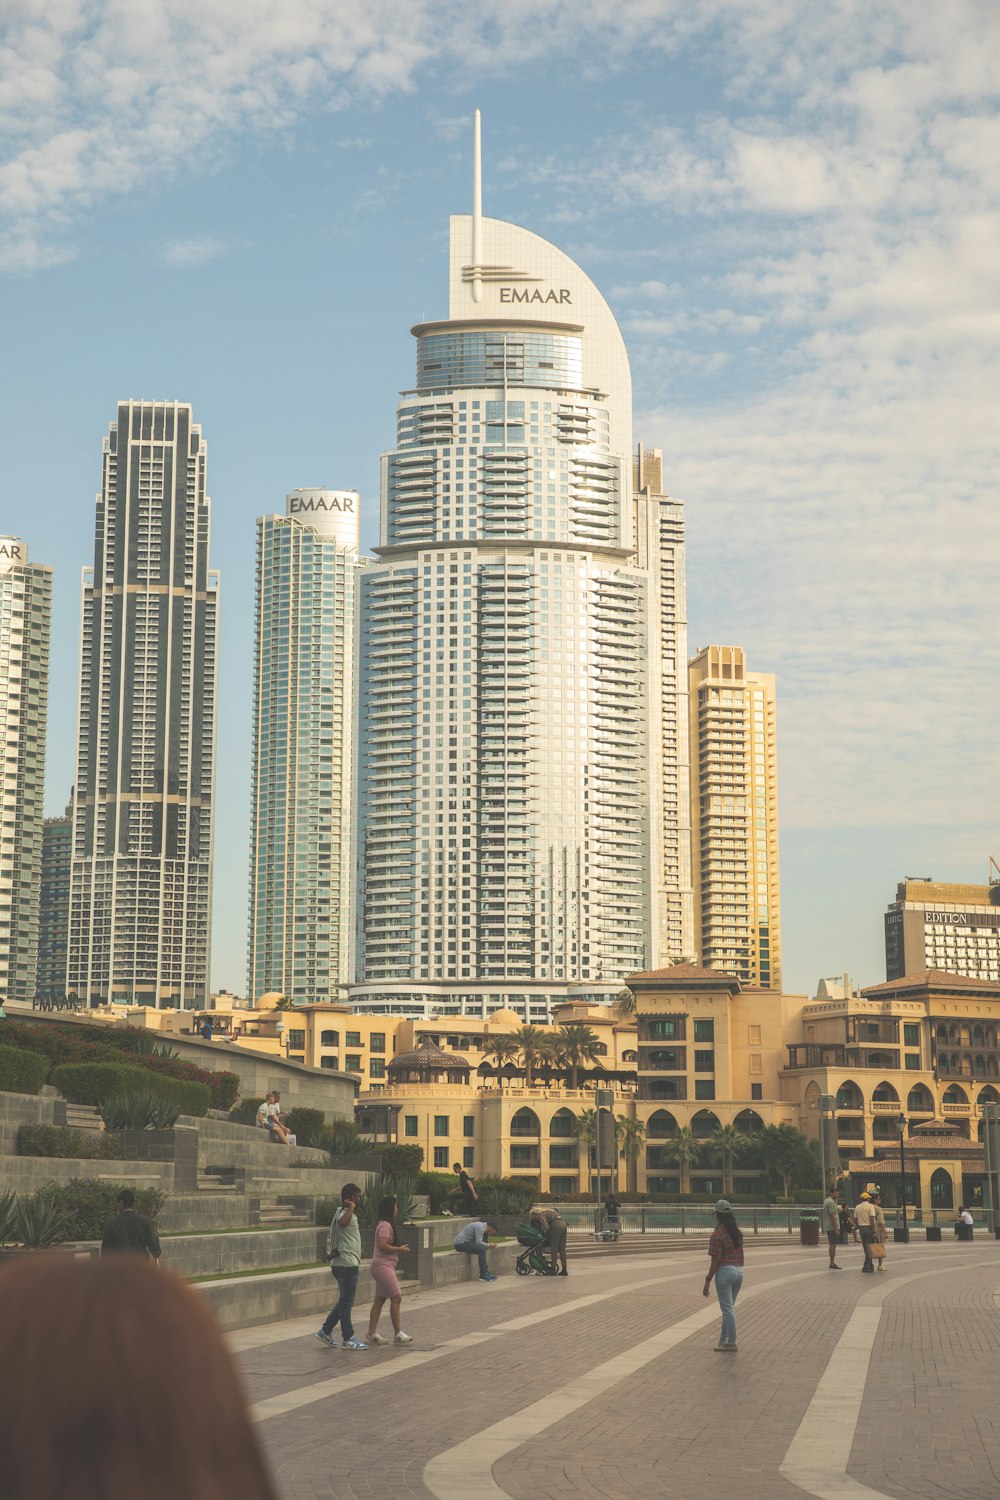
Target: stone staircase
83,1117
286,1212
217,1179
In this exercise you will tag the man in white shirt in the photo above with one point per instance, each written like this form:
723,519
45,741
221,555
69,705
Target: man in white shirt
864,1217
963,1223
471,1240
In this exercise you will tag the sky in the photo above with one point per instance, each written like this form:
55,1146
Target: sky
794,211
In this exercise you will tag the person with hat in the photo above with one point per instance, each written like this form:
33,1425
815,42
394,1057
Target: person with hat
865,1218
726,1270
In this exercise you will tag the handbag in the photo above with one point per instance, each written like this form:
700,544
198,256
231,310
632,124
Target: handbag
877,1250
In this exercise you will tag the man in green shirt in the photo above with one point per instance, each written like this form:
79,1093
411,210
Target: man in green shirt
127,1230
345,1263
831,1223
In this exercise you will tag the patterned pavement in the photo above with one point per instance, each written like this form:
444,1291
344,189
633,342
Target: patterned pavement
605,1384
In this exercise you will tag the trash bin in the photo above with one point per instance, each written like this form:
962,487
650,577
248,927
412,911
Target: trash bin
809,1229
964,1231
934,1232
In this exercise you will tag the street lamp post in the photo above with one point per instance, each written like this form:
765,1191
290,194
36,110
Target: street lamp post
904,1232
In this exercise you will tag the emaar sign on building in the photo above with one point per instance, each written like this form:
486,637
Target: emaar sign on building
333,513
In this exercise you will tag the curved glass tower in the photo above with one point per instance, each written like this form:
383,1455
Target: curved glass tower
506,805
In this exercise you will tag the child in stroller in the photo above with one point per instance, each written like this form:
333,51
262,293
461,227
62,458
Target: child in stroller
533,1257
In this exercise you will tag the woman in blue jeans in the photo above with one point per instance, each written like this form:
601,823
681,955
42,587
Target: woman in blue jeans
726,1270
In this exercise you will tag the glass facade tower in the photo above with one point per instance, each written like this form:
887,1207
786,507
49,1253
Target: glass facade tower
25,622
141,882
303,758
508,820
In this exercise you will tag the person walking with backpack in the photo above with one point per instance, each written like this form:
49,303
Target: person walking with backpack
344,1248
726,1270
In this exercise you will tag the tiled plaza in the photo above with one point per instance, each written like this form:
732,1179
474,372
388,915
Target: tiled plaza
605,1384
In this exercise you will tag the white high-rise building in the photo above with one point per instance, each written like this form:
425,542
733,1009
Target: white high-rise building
25,619
141,881
301,869
510,775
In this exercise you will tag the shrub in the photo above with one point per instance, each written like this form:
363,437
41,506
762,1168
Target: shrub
139,1108
89,1083
61,1141
8,1203
41,1221
505,1195
343,1139
125,1046
401,1161
21,1072
245,1112
438,1187
379,1186
90,1205
306,1125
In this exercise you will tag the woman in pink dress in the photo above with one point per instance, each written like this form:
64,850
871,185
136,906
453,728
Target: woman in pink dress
383,1268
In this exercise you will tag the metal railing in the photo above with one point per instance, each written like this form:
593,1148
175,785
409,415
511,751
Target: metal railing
753,1219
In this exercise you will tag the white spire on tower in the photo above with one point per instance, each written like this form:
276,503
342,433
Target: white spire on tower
477,208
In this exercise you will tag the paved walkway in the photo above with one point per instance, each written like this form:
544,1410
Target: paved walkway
605,1385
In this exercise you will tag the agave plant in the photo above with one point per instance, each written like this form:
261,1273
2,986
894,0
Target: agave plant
380,1185
138,1109
39,1221
8,1212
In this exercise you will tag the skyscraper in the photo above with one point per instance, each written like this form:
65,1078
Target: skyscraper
25,615
141,886
53,904
301,875
734,818
508,823
660,549
934,924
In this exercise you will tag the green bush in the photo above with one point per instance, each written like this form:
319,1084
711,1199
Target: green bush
21,1072
245,1113
505,1195
307,1125
401,1161
90,1204
61,1141
40,1221
89,1083
139,1108
437,1187
343,1138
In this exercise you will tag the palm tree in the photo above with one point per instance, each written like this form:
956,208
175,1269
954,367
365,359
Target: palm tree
551,1049
530,1043
684,1147
585,1130
285,1004
580,1044
730,1144
502,1048
625,1004
630,1133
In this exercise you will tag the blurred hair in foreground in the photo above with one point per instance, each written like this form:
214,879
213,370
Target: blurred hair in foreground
115,1384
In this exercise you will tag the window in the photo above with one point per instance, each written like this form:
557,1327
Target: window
912,1060
704,1062
753,1036
911,1033
704,1031
353,1039
296,1041
329,1062
664,1031
756,1062
563,1156
409,1124
468,1125
440,1156
704,1088
376,1042
756,1091
468,1156
524,1156
669,1059
440,1124
329,1039
376,1067
352,1064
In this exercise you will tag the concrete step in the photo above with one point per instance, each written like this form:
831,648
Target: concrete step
83,1117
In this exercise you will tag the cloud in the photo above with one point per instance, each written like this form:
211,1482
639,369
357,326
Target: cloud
193,252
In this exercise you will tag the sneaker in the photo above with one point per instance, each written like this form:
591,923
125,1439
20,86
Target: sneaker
325,1338
487,1277
376,1338
402,1338
725,1348
353,1343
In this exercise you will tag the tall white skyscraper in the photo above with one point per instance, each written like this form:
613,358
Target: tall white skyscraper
510,775
141,882
25,616
301,868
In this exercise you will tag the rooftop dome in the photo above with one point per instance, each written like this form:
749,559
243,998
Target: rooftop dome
428,1058
504,1018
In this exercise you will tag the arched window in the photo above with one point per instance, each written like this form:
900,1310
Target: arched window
988,1095
979,1066
978,1036
953,1033
966,1065
525,1122
920,1100
964,1035
991,1066
942,1192
661,1125
849,1096
749,1122
329,1038
562,1123
955,1095
811,1096
941,1033
705,1124
884,1093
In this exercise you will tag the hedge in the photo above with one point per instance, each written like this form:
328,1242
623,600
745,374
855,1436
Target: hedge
307,1125
437,1187
21,1072
245,1112
62,1141
401,1161
89,1083
90,1203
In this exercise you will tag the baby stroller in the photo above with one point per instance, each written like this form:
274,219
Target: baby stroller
532,1257
609,1230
